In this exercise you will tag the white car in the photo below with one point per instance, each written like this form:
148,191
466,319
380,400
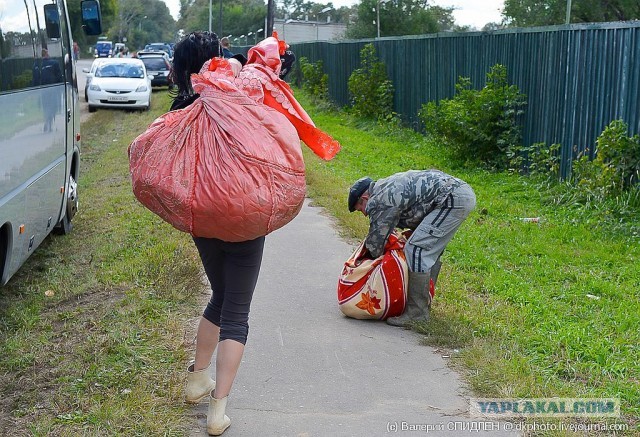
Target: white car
119,83
94,66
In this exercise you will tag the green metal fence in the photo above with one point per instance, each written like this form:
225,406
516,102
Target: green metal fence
577,78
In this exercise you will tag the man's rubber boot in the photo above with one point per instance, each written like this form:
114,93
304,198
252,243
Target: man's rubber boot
418,301
217,421
435,271
199,384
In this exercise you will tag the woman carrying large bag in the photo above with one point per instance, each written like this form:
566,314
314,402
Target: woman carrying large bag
225,166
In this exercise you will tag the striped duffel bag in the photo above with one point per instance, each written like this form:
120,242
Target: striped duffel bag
375,288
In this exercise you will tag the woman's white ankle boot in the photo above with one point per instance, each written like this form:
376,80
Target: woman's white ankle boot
217,421
199,384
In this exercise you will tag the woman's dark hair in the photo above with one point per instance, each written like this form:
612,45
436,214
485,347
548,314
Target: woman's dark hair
189,56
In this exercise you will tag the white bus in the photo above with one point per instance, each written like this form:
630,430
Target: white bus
40,124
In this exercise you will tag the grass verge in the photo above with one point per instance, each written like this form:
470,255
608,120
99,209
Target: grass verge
535,310
530,310
105,354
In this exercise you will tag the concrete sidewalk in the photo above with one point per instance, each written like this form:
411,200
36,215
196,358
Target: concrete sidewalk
309,371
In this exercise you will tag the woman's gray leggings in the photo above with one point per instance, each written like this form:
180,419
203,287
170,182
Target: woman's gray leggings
232,269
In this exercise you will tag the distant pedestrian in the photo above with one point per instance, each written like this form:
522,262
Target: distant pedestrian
76,51
226,47
433,205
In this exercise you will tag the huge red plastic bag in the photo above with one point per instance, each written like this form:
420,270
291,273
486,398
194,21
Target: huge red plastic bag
375,288
225,167
229,166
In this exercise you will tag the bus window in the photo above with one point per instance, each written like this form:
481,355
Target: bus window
18,51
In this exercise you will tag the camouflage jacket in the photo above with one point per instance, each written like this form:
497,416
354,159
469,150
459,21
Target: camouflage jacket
402,200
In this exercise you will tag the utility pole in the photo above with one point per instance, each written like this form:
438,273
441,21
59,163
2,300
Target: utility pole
270,11
210,13
568,19
220,32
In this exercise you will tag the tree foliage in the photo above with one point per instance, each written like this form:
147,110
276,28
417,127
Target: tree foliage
300,10
142,22
239,17
399,17
525,13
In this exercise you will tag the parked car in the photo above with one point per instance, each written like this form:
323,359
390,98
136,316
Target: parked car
90,73
160,47
104,49
158,67
119,83
142,53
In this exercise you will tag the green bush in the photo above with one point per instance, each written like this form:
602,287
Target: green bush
615,169
22,80
314,80
619,155
535,160
478,124
370,89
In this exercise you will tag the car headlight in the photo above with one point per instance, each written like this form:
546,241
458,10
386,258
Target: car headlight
141,89
94,87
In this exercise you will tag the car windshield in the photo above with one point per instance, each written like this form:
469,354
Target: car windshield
103,45
120,70
155,64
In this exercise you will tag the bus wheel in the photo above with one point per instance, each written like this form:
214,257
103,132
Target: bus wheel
65,226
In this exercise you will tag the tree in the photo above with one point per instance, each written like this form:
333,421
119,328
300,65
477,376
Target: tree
398,17
299,10
526,13
142,22
239,17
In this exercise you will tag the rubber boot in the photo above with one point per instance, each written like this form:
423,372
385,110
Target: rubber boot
418,301
199,384
217,421
435,271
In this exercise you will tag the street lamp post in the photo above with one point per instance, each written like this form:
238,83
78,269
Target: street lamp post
327,9
378,14
140,23
247,37
257,32
568,18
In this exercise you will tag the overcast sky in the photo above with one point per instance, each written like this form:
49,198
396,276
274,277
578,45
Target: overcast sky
474,13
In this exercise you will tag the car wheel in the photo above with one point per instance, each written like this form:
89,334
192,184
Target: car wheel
65,225
86,96
92,108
